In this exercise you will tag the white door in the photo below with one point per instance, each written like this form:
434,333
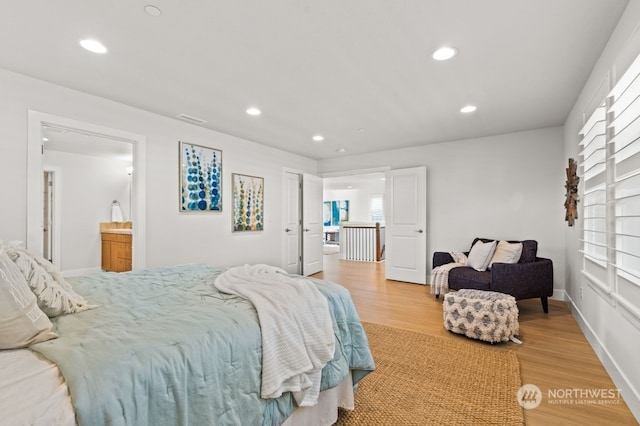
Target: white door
406,225
291,224
311,224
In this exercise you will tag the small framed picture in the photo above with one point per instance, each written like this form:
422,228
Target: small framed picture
248,203
200,178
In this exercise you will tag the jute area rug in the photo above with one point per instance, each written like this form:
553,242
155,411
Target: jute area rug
428,380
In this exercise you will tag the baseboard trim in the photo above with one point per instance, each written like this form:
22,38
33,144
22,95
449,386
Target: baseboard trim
560,295
629,393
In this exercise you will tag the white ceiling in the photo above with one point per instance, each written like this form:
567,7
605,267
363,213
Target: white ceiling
330,67
69,141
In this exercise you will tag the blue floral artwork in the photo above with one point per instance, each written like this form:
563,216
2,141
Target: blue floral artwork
248,203
200,178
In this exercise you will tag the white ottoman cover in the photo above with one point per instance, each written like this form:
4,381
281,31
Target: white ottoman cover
484,315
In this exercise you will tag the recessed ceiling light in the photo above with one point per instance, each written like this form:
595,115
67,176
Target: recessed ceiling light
341,150
468,108
349,187
152,10
444,53
318,138
253,111
93,45
45,139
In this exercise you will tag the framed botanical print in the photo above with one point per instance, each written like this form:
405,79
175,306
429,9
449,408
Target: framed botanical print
200,178
248,203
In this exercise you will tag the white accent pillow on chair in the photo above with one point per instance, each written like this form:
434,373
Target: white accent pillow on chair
506,253
480,255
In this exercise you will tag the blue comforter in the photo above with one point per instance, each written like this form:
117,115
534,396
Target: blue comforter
165,347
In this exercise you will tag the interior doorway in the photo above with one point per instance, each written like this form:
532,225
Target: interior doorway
363,192
48,230
302,223
39,124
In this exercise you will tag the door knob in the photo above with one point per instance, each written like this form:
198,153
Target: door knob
420,231
307,229
287,230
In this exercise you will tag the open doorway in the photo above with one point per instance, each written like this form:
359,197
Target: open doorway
96,174
72,154
48,225
302,223
357,201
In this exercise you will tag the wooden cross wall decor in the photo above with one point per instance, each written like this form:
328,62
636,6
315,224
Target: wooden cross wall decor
571,185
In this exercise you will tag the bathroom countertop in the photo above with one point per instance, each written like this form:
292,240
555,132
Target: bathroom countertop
117,231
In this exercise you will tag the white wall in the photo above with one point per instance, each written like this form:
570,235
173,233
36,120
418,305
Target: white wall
86,186
508,187
172,237
614,333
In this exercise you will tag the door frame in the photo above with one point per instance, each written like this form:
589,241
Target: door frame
35,168
350,172
54,231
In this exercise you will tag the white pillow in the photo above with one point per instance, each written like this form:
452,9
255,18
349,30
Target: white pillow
480,255
506,253
22,323
54,294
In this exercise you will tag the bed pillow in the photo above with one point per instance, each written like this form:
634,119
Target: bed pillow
480,255
506,253
22,322
54,294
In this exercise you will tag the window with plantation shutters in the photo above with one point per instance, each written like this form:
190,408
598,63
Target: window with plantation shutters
624,115
611,196
594,199
376,208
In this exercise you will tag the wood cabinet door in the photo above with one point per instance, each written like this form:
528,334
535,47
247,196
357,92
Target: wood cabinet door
106,255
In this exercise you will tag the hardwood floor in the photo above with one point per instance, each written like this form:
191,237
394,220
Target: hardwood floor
554,355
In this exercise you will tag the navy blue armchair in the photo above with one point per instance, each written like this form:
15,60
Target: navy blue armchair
531,277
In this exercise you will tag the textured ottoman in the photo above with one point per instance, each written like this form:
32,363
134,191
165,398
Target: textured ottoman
484,315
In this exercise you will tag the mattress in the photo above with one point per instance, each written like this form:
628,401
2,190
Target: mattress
165,347
33,392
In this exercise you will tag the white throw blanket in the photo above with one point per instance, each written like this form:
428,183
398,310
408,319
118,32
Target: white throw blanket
296,326
440,277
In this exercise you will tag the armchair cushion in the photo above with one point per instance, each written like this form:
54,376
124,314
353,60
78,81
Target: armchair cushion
469,278
529,251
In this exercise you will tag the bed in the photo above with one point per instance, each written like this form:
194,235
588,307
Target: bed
164,346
